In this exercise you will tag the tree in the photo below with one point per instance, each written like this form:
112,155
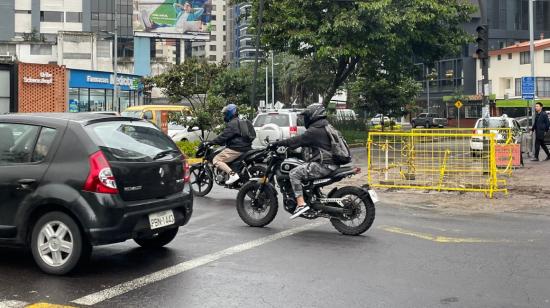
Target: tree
340,36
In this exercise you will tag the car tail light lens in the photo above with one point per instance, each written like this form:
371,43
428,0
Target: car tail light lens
100,178
293,130
186,175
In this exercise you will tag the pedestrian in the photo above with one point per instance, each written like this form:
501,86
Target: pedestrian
540,127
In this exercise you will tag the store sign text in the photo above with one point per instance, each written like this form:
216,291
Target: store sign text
45,78
121,80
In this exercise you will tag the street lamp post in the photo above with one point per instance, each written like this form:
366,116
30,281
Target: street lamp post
272,79
532,59
115,65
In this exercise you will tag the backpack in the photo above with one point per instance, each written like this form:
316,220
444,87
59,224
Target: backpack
340,152
246,129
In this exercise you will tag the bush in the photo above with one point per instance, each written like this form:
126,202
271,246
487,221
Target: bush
354,131
189,148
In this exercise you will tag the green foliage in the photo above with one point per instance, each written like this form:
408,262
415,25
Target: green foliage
341,36
189,148
354,131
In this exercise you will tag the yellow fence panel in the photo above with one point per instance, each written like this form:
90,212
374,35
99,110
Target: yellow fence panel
434,161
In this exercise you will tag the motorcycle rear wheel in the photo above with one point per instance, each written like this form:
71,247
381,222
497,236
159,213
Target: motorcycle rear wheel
362,211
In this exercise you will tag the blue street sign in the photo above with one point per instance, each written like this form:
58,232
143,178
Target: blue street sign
528,87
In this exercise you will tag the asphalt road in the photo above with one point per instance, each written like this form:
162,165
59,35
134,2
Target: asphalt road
409,258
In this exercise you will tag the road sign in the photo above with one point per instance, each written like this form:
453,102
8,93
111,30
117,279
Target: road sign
528,87
458,104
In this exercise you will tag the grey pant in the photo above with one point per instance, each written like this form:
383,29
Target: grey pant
307,171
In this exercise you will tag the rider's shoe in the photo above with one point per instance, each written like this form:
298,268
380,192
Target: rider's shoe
233,177
299,211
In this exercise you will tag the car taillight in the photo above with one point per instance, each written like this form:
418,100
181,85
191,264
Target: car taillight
293,130
186,177
100,178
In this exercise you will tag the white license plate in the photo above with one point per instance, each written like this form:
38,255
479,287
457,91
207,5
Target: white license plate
161,219
373,196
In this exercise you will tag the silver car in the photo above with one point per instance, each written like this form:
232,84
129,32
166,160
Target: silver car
277,125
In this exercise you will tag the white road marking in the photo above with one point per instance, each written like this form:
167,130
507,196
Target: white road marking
137,283
12,304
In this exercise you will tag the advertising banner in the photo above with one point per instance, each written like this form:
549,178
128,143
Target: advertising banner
172,18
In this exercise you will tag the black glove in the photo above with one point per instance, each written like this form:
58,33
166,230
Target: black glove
272,146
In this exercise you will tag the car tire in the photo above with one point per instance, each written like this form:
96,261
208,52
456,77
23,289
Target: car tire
157,240
413,124
428,125
56,238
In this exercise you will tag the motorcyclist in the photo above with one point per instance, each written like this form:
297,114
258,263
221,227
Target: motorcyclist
320,164
236,138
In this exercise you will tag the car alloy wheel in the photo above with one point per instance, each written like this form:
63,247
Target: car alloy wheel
55,243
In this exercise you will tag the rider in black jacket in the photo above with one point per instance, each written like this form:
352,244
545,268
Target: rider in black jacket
320,164
234,138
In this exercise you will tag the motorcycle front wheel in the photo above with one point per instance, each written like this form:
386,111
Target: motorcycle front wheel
359,211
202,180
257,206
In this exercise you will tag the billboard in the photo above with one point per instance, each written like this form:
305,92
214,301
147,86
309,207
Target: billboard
187,19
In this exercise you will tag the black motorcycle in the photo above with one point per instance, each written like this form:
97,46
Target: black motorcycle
350,209
204,174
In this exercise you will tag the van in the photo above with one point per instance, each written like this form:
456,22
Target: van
154,113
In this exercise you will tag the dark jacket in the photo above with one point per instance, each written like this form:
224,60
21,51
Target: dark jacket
232,139
316,138
541,125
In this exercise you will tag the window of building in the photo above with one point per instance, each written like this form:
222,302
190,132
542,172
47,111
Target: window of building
213,17
213,7
224,28
41,50
212,58
224,38
547,56
509,56
50,16
543,86
472,112
213,27
524,57
22,12
73,17
212,37
212,47
498,57
518,86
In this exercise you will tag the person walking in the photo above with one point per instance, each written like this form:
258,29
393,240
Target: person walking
540,128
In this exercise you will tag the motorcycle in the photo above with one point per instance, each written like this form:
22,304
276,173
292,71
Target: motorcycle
204,174
350,209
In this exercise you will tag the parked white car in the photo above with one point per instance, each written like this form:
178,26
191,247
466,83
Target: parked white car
277,125
478,144
182,133
377,119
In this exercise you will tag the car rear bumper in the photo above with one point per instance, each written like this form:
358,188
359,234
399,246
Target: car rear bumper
133,221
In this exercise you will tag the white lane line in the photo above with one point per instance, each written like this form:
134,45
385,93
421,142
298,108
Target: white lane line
95,298
12,304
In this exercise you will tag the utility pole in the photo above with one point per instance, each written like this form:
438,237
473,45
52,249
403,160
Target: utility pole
267,85
483,52
258,34
428,88
272,79
115,66
532,59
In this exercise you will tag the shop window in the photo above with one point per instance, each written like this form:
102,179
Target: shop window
472,112
51,16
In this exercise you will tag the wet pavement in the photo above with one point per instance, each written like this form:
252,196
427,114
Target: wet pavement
411,257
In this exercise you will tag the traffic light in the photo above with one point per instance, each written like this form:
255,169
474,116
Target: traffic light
482,42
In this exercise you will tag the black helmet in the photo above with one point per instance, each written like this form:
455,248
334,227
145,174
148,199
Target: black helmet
313,113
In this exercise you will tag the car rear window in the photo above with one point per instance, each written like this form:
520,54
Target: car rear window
131,141
280,119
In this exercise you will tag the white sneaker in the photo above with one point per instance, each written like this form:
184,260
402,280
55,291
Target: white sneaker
299,211
233,177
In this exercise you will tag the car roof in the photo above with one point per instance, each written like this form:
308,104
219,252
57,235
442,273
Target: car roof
157,107
83,118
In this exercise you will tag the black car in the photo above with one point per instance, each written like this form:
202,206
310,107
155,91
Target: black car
72,181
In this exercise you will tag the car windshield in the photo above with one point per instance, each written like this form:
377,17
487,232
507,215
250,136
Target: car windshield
130,141
492,123
279,119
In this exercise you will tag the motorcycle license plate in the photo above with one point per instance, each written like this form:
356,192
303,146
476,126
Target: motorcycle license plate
373,196
161,219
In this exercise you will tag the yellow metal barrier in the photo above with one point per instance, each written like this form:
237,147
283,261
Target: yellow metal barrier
434,161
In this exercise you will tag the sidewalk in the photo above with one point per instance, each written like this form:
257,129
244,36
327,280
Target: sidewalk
528,191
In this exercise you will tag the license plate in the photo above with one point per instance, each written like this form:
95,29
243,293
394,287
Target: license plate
161,219
373,196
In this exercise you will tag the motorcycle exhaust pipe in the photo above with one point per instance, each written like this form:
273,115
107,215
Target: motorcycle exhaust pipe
332,210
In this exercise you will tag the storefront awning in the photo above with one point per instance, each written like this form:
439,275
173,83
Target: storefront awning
515,103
